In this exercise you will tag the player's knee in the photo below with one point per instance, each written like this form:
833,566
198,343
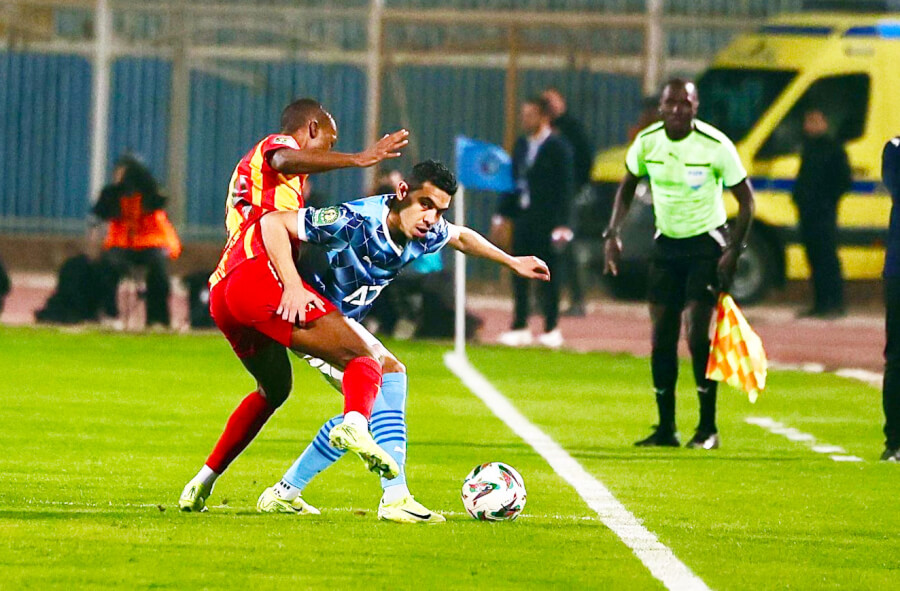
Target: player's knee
276,392
392,365
350,354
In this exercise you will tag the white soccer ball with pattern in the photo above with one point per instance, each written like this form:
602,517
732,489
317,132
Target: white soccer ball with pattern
494,492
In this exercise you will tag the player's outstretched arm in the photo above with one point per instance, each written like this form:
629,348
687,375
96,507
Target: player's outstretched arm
277,230
290,161
470,242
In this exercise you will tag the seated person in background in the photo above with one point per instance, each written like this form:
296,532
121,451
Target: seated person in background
139,233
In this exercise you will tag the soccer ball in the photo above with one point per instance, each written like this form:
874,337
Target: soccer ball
494,492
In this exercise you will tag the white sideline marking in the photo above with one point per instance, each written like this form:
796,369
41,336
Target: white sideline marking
658,558
764,422
863,375
828,449
835,452
804,367
872,378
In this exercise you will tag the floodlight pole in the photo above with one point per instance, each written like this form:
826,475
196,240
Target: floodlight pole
100,96
460,279
179,119
654,47
375,30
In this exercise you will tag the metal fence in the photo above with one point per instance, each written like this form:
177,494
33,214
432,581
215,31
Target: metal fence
191,86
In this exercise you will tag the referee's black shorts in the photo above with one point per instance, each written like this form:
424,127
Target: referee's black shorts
684,269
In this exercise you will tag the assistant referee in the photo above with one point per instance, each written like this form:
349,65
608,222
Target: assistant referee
695,256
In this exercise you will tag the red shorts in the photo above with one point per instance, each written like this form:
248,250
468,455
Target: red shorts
243,306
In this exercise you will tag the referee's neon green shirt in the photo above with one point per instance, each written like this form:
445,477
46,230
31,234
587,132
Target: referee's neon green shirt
686,177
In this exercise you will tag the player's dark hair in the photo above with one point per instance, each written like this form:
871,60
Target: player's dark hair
300,112
541,103
434,172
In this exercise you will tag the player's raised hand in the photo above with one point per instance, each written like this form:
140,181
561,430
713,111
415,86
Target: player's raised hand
531,268
295,302
387,147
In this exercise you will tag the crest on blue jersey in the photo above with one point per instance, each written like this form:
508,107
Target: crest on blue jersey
327,215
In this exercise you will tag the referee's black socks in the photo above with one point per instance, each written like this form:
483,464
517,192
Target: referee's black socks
665,403
707,396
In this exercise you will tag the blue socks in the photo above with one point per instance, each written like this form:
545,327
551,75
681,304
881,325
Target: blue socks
388,425
317,456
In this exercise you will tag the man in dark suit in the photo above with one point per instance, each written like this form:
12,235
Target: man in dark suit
573,131
539,210
890,168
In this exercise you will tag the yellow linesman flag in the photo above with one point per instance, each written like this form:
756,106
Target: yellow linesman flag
736,354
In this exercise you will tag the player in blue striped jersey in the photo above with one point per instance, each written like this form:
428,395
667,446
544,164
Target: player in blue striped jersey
349,254
360,257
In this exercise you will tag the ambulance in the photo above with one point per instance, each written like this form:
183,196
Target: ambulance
756,92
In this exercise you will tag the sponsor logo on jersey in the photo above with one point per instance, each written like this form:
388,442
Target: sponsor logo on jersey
283,140
696,177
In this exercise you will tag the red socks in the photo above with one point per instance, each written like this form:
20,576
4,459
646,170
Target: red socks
243,425
362,378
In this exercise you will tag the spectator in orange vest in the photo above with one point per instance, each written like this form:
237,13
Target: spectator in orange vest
139,234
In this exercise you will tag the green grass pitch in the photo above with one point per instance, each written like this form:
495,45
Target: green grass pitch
99,433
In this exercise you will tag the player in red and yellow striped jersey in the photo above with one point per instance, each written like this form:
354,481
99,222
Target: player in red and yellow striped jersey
272,175
242,246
